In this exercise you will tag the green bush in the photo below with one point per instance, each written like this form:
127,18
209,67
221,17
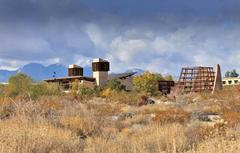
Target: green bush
18,85
2,87
22,84
81,90
85,90
114,84
45,89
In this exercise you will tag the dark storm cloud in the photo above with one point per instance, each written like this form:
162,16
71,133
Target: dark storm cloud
92,10
67,31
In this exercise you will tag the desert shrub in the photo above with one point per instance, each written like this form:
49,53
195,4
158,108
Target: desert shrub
45,89
75,87
232,118
172,115
84,91
52,88
2,87
130,98
114,84
19,84
22,86
107,93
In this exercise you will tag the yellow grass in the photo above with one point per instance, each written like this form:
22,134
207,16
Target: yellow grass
102,125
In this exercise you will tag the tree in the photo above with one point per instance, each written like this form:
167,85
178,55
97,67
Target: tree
227,74
232,73
19,84
168,78
147,82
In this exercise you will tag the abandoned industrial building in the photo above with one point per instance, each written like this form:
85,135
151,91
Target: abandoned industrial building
100,70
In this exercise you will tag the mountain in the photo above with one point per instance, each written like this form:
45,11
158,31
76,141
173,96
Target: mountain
39,72
5,74
139,71
36,71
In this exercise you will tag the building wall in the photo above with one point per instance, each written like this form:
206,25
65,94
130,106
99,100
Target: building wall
101,77
127,82
88,84
231,81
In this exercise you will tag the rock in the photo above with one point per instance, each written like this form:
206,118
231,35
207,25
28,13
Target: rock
210,118
146,101
125,116
115,118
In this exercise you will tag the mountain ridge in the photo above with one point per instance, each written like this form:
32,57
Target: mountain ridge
39,72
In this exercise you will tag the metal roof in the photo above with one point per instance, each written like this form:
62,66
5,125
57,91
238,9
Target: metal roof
71,77
121,75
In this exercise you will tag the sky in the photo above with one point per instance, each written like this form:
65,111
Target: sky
157,35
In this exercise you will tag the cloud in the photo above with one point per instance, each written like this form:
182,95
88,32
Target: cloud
161,36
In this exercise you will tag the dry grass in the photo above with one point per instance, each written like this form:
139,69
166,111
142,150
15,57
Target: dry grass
154,138
173,115
25,136
116,124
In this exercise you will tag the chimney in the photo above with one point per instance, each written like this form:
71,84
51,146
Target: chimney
100,70
218,80
75,70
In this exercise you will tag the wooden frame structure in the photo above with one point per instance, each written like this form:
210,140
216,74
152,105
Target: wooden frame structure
197,79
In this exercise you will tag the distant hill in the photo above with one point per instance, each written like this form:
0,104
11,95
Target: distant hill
139,71
39,72
36,71
5,74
